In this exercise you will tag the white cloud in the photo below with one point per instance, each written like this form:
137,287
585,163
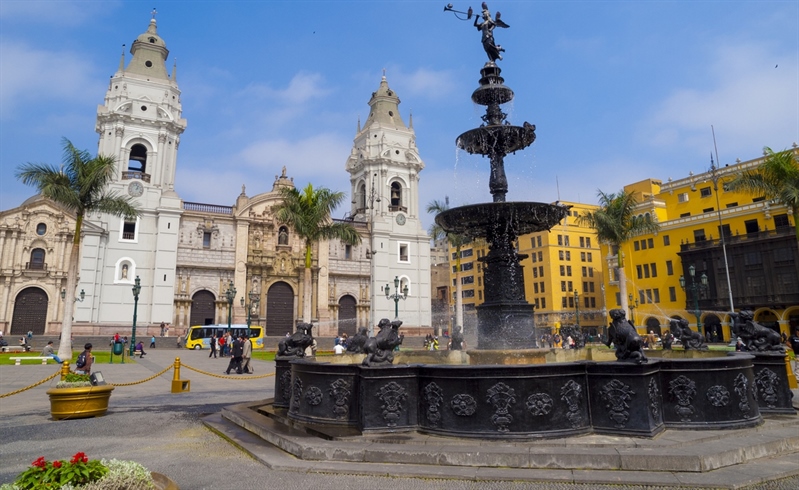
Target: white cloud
53,11
302,88
749,101
422,82
30,74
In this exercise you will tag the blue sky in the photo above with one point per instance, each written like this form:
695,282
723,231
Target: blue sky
620,91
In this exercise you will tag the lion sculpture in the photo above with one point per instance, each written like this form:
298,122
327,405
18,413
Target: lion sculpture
688,338
295,345
622,334
380,348
755,337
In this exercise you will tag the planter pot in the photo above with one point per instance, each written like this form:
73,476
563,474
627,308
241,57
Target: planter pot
163,482
75,403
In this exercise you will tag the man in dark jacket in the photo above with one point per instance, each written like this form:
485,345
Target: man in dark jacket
212,344
236,352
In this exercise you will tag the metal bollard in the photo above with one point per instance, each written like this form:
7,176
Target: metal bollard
64,370
179,385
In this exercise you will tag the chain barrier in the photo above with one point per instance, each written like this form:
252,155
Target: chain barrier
34,385
226,376
144,380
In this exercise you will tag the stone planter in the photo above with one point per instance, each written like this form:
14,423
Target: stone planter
163,482
76,403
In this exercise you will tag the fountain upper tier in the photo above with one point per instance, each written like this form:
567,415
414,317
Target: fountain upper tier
518,218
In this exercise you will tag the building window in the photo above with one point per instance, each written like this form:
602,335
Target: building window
536,303
685,215
535,272
562,270
467,266
571,301
532,242
538,240
648,296
672,294
590,272
563,302
568,270
732,204
751,226
480,295
669,268
396,197
656,295
41,228
704,192
207,239
590,257
467,280
535,287
403,252
699,235
37,259
654,268
780,221
570,286
646,271
468,293
650,242
593,302
130,230
590,287
639,271
563,286
682,197
637,245
540,256
467,253
582,256
568,255
666,241
560,254
582,241
541,270
347,252
543,302
479,281
560,240
566,240
585,271
535,258
708,210
138,159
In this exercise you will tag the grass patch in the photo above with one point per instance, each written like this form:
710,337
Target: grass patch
100,357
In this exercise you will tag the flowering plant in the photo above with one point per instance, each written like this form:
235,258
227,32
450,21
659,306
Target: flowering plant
81,472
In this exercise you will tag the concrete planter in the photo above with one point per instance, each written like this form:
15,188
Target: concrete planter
76,403
163,482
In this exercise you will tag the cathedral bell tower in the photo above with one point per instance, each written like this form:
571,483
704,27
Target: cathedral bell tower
139,123
384,168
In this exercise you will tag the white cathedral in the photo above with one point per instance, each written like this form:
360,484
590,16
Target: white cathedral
186,254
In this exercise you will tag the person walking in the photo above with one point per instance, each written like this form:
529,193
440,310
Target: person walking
212,344
152,342
246,354
180,341
236,352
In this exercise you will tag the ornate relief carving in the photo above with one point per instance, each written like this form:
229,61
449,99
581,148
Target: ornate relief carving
539,404
767,383
742,390
313,396
393,397
654,398
340,392
501,396
718,396
684,390
285,385
433,397
572,394
463,405
296,393
617,396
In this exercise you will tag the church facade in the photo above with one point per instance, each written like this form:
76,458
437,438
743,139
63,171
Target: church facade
188,255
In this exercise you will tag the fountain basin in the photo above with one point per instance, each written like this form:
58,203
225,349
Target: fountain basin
496,139
528,401
520,218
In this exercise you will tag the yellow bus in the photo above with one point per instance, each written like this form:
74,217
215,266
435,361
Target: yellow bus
199,336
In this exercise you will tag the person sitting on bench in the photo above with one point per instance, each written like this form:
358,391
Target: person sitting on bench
48,351
140,347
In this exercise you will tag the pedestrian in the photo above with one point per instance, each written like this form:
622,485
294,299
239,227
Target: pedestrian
163,326
140,347
48,351
222,342
30,335
212,345
246,354
236,352
339,349
85,360
180,341
152,342
793,341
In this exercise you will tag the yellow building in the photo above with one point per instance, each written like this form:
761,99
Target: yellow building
559,264
759,250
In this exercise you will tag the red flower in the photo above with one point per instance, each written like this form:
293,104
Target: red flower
41,463
56,464
80,456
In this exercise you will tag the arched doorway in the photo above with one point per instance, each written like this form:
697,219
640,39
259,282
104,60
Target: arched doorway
653,325
30,312
279,309
713,328
347,317
203,310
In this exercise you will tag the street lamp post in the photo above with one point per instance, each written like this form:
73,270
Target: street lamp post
230,294
136,290
396,296
254,300
633,304
695,288
577,308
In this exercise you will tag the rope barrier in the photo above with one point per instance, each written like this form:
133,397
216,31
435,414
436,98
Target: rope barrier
144,380
34,385
226,376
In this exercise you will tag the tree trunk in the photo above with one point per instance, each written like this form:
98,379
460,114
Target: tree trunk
795,212
623,292
65,346
306,296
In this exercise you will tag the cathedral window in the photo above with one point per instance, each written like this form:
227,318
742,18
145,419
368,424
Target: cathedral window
129,230
207,239
396,198
37,260
403,252
362,196
41,229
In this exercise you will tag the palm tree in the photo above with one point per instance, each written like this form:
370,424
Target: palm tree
777,178
437,233
615,223
79,185
308,213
